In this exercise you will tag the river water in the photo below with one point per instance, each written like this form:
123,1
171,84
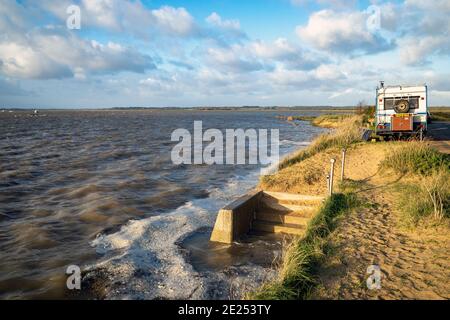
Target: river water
98,189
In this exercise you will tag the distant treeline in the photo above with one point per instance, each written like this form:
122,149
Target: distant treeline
302,108
223,108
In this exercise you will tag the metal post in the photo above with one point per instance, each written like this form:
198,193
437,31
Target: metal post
421,134
333,161
344,151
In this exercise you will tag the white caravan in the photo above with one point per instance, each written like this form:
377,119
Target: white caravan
401,110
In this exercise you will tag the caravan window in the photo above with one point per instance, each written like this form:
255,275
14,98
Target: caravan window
389,103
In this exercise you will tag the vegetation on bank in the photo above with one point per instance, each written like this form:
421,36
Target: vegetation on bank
349,132
416,157
325,121
426,201
423,195
302,256
440,116
426,196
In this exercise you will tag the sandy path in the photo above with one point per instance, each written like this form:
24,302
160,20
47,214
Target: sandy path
414,265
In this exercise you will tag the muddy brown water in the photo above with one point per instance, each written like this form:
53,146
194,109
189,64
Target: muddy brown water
70,177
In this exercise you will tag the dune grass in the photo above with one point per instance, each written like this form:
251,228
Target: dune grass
416,158
301,257
426,199
425,202
349,132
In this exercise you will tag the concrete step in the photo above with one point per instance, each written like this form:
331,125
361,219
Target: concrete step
273,227
283,217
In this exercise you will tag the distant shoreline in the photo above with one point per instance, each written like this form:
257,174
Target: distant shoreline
306,109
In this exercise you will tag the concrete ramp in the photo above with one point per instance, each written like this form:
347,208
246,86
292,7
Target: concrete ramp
265,212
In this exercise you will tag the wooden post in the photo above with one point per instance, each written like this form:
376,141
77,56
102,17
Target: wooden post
328,184
344,151
333,161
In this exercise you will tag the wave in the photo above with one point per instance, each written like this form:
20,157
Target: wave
145,258
144,261
294,143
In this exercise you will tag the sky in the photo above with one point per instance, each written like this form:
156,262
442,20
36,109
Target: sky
156,53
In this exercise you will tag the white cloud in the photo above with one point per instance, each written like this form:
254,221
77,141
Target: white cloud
415,50
337,60
284,77
174,20
341,32
260,55
426,31
281,50
104,13
21,61
52,53
435,5
217,21
223,30
131,17
232,59
328,72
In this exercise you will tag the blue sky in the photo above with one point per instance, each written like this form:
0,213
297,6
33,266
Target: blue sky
155,53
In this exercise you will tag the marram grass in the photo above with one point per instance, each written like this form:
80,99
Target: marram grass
302,256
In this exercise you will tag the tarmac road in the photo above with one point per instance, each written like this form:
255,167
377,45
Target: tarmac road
440,135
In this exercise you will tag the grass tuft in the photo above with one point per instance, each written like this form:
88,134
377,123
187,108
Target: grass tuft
426,201
302,256
416,158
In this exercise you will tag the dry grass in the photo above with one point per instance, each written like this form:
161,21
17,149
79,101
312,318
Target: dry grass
296,277
306,177
423,195
416,158
437,186
348,132
331,120
306,171
425,200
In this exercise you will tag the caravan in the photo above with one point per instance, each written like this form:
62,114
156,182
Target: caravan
401,110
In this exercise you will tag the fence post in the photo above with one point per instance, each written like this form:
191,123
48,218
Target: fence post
333,161
344,151
328,183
